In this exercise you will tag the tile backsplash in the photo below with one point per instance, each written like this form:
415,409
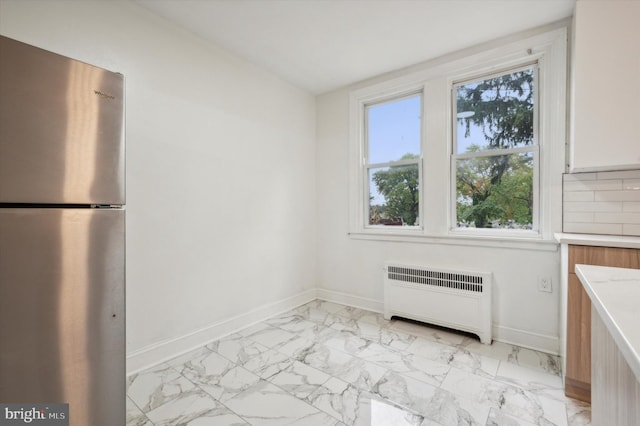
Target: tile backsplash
601,203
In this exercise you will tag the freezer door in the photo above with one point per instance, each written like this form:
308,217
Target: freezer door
62,328
61,129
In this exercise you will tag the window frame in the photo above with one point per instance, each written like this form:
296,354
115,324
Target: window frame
534,149
367,165
545,46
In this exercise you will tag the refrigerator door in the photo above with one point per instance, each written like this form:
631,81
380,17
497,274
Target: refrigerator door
62,311
61,129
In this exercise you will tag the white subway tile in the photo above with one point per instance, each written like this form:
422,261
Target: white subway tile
633,218
629,229
573,177
631,184
617,196
593,228
593,185
578,217
625,174
631,206
579,196
592,207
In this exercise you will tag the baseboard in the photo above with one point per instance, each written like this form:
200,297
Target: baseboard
350,300
577,390
162,351
527,339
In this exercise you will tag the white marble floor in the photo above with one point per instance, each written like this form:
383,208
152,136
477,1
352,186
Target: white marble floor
329,364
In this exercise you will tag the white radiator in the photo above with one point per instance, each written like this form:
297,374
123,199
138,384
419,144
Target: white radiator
454,299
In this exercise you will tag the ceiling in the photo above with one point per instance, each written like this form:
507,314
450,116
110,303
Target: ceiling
320,45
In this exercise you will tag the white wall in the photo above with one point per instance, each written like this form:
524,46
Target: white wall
350,269
220,170
606,69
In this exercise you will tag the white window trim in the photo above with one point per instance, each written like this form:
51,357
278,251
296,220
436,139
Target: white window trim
547,47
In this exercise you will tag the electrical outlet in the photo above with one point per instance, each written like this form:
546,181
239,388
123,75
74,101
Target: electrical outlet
544,284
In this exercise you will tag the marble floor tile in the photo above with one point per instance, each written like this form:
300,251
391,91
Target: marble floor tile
327,359
135,417
515,355
301,327
433,333
344,340
297,348
509,399
528,378
237,348
194,408
271,337
357,407
378,333
408,364
216,375
300,380
337,398
265,404
362,315
405,391
327,364
155,387
378,412
268,363
498,418
363,374
362,329
455,357
578,413
396,339
432,403
320,311
449,409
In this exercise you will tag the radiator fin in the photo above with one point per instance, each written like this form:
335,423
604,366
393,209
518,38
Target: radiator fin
465,282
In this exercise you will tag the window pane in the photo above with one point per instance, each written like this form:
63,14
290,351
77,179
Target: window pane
495,192
394,130
394,196
495,113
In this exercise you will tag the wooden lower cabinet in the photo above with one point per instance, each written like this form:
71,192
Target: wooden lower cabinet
578,369
578,354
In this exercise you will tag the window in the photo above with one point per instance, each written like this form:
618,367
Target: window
495,154
469,148
392,162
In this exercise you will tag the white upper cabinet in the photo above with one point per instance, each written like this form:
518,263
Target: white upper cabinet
605,120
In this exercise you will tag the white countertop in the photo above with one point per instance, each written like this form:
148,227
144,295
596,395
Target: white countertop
615,294
598,240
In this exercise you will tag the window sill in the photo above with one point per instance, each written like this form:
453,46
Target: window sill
525,241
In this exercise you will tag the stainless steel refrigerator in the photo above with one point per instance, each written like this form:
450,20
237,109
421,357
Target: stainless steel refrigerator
62,229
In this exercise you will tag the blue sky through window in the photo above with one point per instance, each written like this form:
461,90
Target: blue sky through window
394,129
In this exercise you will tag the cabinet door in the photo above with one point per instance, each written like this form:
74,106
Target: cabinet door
578,354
